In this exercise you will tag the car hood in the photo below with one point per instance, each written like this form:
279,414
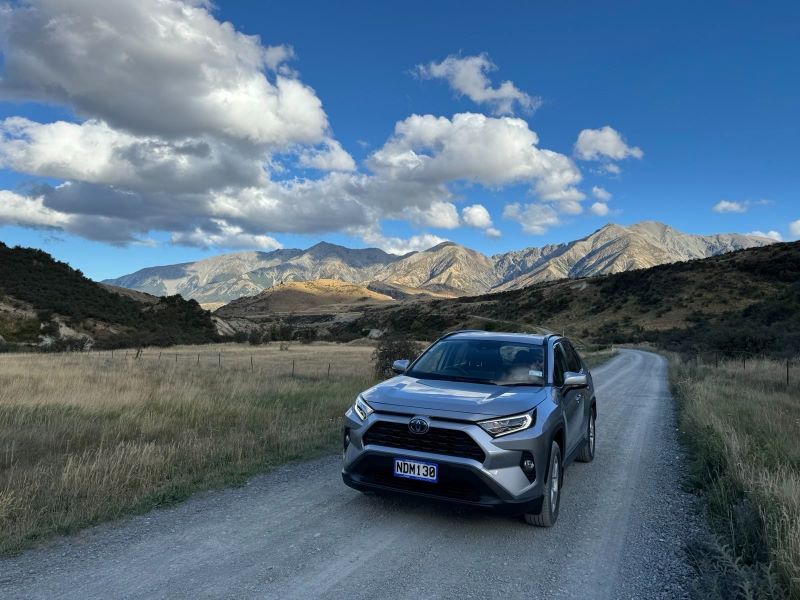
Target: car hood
454,399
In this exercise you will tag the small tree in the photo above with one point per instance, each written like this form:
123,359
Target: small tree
240,337
391,349
255,337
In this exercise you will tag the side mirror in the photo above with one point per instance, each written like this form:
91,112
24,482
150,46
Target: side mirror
575,379
400,366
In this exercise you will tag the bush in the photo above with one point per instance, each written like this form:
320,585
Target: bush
240,337
394,348
306,336
255,338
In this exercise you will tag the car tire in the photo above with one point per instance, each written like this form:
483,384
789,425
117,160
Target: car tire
552,492
587,452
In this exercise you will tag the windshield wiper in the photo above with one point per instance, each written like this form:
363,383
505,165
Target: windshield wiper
516,383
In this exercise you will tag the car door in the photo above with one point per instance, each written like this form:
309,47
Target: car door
571,398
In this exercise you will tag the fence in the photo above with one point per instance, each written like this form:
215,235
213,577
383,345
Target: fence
717,359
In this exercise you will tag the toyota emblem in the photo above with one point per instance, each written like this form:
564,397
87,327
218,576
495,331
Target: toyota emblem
418,425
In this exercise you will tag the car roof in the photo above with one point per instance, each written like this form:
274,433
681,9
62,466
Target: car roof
499,336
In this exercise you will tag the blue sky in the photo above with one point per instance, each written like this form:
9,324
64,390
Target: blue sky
700,100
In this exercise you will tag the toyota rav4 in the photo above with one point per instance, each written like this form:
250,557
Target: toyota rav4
482,418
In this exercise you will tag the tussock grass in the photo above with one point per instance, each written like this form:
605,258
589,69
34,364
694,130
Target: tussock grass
84,438
743,428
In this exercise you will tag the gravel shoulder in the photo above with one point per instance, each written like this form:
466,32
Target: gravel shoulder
298,532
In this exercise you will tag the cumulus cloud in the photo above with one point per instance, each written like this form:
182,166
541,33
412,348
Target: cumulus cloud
225,236
190,127
794,228
475,148
771,234
535,219
599,208
729,206
601,194
604,144
330,157
467,76
401,246
156,67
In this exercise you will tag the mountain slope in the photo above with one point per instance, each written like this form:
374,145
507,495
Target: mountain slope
744,301
448,268
41,298
299,296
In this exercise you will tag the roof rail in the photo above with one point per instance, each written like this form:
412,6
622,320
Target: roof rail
449,333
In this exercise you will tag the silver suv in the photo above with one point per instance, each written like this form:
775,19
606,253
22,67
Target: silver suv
482,418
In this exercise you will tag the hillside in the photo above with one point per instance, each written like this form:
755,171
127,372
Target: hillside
447,269
43,300
744,301
300,296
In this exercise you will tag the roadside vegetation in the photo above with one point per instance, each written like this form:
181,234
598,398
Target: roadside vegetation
86,438
742,427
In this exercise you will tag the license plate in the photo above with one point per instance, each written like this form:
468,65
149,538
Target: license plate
414,469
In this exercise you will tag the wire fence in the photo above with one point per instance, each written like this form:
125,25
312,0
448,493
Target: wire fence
744,359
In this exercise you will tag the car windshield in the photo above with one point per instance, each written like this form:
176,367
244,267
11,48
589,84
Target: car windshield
482,361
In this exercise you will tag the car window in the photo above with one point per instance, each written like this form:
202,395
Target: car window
573,360
482,361
559,366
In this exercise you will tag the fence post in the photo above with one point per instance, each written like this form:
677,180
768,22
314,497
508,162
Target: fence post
716,360
198,359
159,356
176,357
744,363
329,370
219,359
787,372
251,363
292,367
112,353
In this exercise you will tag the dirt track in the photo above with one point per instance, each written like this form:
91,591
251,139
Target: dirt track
300,533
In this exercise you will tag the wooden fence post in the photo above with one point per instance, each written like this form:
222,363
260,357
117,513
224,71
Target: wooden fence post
251,363
292,367
198,359
787,372
329,370
219,359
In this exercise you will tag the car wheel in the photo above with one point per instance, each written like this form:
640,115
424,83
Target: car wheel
587,452
552,492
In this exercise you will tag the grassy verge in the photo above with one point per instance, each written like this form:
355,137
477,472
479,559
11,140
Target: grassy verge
595,358
743,431
85,438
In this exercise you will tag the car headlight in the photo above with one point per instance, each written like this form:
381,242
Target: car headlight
506,425
363,410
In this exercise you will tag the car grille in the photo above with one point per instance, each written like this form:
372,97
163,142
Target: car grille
451,442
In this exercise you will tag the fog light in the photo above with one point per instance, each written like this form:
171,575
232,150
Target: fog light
528,466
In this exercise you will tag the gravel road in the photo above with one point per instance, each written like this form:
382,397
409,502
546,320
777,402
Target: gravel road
298,532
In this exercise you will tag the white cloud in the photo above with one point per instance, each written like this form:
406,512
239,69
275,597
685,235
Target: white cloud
156,67
467,75
601,194
400,246
794,228
226,236
493,233
535,219
612,169
604,143
192,128
771,234
476,148
330,157
28,212
476,215
599,208
729,206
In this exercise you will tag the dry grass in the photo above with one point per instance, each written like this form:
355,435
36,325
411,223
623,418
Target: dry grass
86,438
743,427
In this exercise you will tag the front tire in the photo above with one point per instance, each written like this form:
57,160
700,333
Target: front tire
552,494
587,452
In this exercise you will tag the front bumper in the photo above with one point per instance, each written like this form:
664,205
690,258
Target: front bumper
496,482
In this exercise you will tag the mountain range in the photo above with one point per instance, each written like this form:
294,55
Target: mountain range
447,269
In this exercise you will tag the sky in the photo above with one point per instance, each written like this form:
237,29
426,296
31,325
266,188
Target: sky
152,132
